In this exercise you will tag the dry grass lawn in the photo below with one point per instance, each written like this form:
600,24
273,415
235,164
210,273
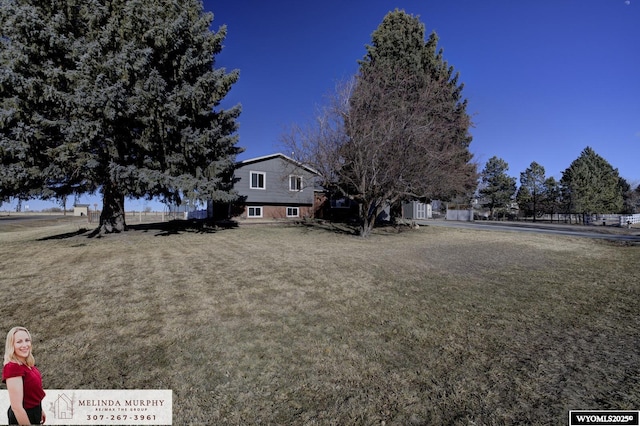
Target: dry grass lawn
300,325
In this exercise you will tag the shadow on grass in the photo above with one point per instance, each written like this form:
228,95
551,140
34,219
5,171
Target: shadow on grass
343,228
162,229
326,226
175,227
65,235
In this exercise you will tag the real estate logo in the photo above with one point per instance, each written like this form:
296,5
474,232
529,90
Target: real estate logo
103,407
63,407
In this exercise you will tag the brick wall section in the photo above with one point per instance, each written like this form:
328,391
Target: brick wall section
278,212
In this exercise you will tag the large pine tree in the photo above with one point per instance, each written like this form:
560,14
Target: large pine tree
533,180
497,187
120,97
591,185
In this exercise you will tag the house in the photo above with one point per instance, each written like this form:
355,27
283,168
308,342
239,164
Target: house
274,187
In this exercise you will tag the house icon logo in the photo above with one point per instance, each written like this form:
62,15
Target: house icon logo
63,407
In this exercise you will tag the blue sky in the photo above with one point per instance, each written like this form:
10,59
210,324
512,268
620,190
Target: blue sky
544,78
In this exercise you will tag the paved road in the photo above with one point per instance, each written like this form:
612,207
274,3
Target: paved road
21,217
613,234
25,220
631,235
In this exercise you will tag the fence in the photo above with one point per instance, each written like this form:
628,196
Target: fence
602,219
93,216
588,219
629,220
461,215
611,219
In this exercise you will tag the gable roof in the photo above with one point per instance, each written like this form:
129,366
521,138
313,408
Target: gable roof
277,155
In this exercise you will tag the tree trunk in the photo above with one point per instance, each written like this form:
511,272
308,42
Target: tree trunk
534,207
366,227
112,215
368,215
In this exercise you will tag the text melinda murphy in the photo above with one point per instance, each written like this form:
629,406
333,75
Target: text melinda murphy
103,406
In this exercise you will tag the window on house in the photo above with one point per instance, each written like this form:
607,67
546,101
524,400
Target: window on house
254,211
340,203
293,212
257,180
295,183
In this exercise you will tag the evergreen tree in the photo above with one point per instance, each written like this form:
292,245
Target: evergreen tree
34,55
625,190
551,197
630,198
533,180
591,185
407,125
497,187
120,97
524,200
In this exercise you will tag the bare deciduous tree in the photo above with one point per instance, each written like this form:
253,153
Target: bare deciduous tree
379,144
396,131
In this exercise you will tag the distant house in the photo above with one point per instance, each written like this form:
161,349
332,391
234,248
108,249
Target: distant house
274,187
81,209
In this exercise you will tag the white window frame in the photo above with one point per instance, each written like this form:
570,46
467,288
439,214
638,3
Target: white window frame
297,210
297,178
264,180
254,215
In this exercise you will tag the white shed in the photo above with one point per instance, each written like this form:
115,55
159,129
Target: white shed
81,209
416,210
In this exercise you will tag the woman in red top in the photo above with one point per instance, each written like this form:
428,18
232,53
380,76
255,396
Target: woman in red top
23,379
